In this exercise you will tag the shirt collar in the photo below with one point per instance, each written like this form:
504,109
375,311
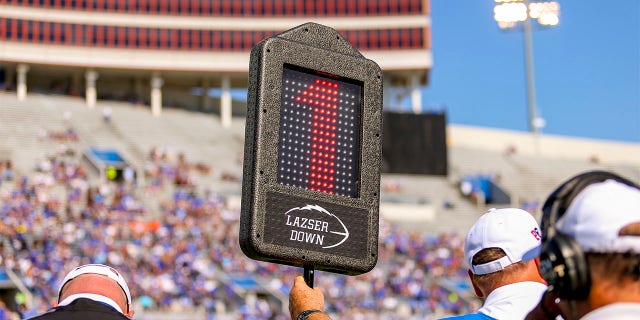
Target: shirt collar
513,301
91,296
619,311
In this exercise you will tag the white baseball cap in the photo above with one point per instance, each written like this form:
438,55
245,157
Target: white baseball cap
101,269
513,230
598,213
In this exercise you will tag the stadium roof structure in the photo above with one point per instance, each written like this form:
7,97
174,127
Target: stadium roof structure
155,52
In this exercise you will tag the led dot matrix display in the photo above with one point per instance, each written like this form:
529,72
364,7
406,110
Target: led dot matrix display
319,132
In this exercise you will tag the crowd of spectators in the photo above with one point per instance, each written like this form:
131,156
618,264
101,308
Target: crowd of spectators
182,258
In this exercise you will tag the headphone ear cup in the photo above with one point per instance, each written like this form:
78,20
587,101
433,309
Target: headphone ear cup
564,267
562,263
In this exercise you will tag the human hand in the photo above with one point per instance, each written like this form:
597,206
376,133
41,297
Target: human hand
302,298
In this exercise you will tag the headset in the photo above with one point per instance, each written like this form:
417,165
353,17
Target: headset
562,261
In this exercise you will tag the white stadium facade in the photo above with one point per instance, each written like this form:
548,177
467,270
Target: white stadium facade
167,52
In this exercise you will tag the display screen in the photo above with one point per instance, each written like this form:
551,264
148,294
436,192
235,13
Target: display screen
319,138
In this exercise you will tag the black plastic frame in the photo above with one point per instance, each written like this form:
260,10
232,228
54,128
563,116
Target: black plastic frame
322,49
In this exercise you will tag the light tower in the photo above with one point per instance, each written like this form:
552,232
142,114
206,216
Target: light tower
511,14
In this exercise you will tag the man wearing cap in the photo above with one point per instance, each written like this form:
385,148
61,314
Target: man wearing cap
92,291
502,250
591,258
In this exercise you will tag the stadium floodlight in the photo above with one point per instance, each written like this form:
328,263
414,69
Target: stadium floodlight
546,13
508,13
511,13
310,194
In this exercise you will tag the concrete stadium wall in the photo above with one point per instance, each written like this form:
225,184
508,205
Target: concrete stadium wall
543,145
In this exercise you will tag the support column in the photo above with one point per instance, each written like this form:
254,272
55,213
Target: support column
416,94
225,102
156,94
22,81
90,91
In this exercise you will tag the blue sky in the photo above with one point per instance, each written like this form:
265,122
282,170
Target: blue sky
587,69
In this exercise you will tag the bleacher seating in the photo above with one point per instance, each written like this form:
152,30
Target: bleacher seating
177,238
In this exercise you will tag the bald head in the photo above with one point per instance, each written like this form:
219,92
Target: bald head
96,284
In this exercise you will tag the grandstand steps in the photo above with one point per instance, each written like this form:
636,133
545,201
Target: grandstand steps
430,204
536,177
468,161
23,126
249,287
530,167
200,137
527,178
134,131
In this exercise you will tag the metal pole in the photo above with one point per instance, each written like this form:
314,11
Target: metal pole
308,275
528,61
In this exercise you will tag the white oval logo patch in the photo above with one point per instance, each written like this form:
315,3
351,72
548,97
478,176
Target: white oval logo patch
313,224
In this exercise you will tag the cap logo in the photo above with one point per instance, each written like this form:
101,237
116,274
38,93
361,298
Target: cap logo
536,233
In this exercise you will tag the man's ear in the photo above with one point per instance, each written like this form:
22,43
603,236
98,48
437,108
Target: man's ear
475,286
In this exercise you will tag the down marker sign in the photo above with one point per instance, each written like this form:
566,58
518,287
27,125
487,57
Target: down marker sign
311,175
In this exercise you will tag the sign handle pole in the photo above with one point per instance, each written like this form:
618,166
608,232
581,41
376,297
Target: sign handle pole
308,275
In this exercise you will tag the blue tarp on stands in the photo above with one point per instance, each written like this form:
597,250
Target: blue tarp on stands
490,191
110,164
108,157
245,282
5,281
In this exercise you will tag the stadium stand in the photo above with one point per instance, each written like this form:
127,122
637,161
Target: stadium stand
174,231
